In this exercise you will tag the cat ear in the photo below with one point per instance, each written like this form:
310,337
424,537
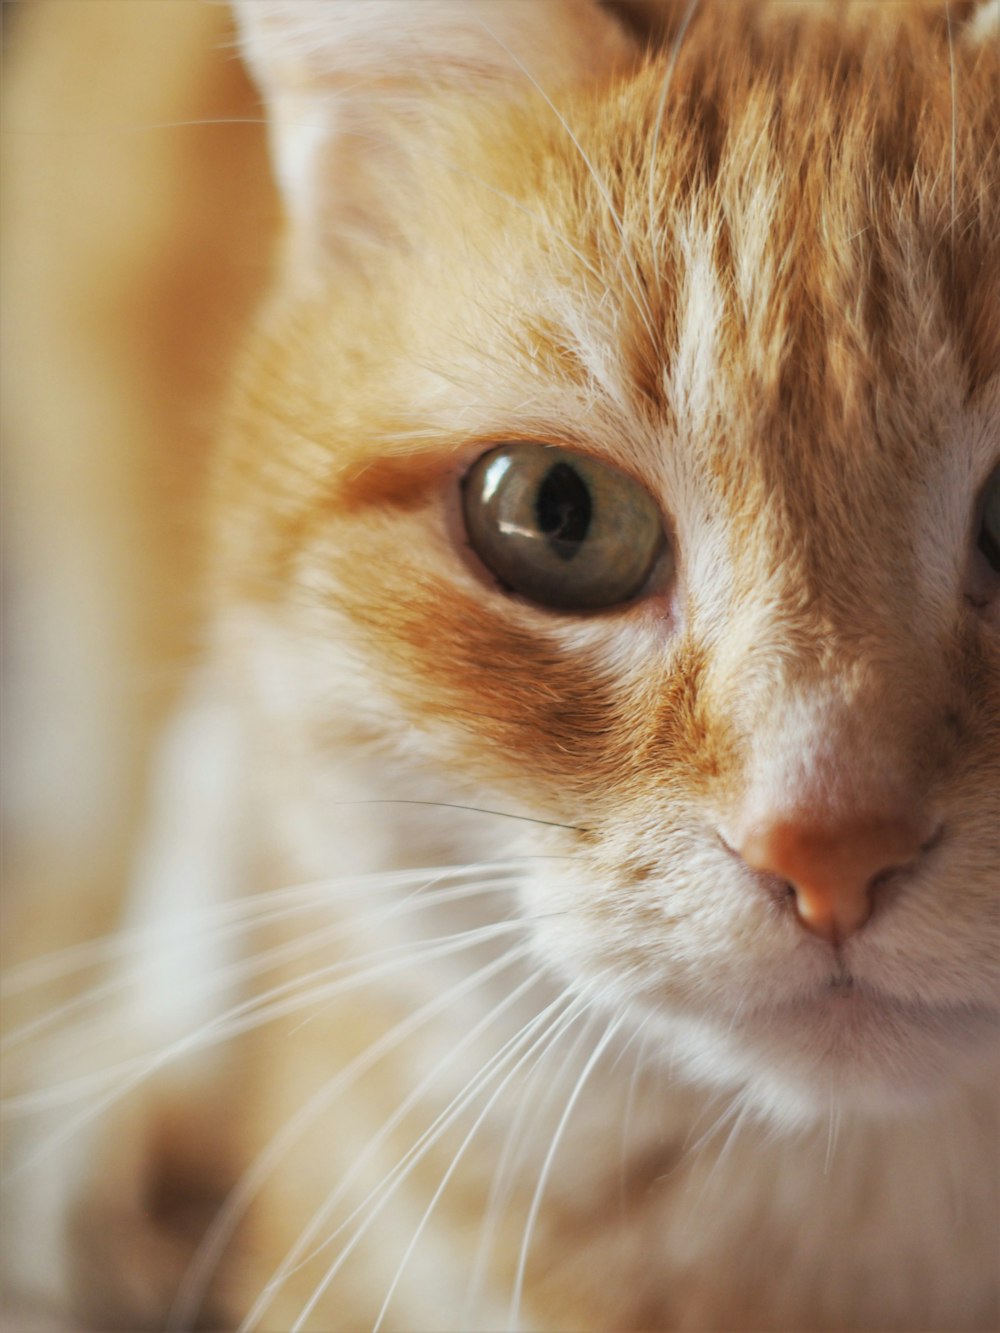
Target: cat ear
339,78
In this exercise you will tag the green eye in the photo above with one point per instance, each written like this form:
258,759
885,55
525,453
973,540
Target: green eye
559,528
989,527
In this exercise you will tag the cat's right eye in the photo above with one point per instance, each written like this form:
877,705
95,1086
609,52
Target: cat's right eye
988,538
560,528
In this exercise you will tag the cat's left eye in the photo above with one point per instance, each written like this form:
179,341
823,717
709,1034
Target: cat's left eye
560,528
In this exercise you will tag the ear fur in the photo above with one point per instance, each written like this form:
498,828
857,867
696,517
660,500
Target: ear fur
339,76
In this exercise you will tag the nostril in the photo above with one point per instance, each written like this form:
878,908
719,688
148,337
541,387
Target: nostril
833,871
883,878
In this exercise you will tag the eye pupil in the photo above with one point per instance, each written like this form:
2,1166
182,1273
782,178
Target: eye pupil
561,529
563,509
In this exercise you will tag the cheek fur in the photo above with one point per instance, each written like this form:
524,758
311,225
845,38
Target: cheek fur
514,700
757,401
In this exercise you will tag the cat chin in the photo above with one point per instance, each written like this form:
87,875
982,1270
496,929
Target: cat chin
850,1055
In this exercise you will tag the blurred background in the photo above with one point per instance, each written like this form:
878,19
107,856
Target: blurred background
137,226
137,229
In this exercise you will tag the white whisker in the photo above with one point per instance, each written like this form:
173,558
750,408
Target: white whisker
536,1202
225,1221
247,968
247,1016
439,1126
241,971
503,1181
250,910
833,1129
445,1179
279,1001
692,1149
638,1038
738,1110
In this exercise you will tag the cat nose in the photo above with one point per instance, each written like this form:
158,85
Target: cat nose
833,870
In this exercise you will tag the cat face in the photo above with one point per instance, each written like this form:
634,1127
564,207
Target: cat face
728,320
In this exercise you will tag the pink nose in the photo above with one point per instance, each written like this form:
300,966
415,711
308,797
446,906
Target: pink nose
835,870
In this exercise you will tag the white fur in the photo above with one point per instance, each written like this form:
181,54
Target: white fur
311,59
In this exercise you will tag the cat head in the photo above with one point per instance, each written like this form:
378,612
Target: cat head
621,447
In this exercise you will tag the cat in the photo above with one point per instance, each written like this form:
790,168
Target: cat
565,891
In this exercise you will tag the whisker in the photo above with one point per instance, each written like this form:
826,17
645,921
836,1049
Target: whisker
393,953
453,1166
639,1038
438,1127
218,1235
739,1111
502,1185
253,965
62,962
689,1149
474,809
242,1018
522,1262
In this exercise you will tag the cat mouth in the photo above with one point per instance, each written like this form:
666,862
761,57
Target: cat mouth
873,1043
840,981
858,1003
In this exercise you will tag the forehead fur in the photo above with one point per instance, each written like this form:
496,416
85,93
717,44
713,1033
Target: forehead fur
781,243
761,273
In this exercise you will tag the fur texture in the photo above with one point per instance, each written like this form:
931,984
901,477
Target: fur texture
540,1046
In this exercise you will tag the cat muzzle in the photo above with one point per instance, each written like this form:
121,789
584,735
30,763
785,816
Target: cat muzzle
836,873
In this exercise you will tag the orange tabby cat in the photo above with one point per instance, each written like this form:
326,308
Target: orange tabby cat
566,889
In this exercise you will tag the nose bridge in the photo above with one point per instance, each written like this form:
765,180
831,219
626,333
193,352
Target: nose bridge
837,714
833,802
843,731
840,735
822,607
829,689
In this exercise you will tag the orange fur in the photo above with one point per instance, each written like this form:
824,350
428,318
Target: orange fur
753,265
